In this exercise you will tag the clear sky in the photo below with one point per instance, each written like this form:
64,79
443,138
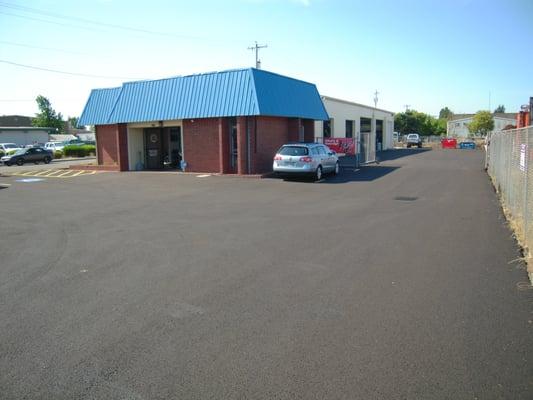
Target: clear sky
426,54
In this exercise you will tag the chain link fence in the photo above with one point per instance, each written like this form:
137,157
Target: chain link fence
509,163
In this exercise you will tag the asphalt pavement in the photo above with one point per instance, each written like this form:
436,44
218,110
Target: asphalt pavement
397,281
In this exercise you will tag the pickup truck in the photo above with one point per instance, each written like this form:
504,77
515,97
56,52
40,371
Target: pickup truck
413,139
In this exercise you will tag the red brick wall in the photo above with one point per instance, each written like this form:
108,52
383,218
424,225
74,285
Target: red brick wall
272,132
200,144
112,145
106,141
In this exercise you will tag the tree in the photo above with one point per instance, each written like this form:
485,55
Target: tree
445,113
47,117
500,109
73,122
481,124
413,121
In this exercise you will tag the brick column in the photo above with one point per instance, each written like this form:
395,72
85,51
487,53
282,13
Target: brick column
309,130
241,146
223,145
294,129
122,147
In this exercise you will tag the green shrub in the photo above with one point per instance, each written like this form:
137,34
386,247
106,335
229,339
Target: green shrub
83,150
2,153
11,152
58,154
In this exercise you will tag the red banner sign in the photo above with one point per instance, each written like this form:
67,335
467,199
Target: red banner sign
341,145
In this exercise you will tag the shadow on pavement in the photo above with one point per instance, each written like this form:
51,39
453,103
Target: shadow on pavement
349,161
364,174
399,153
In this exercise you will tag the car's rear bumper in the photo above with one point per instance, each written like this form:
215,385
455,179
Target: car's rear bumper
306,169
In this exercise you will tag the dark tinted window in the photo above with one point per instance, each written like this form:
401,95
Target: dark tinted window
349,129
326,129
293,151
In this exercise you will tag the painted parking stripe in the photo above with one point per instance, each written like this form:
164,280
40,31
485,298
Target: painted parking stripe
55,173
79,173
51,174
64,173
42,172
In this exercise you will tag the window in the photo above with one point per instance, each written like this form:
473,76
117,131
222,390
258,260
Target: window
322,150
315,151
293,151
349,129
327,130
366,125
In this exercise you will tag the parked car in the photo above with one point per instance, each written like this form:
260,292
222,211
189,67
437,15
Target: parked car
413,139
31,154
5,147
54,146
305,159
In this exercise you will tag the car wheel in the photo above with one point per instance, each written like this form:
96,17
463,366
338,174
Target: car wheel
36,162
47,160
20,161
318,173
337,168
408,146
8,164
419,146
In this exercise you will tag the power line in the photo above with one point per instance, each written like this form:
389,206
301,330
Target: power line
65,72
38,47
98,23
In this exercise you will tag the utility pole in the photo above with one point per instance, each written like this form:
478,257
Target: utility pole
256,49
407,107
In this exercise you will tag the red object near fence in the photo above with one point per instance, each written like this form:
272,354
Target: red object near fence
341,145
448,143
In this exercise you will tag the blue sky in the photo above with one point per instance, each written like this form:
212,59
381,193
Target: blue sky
427,54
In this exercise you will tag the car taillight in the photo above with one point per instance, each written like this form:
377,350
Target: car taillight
306,159
277,158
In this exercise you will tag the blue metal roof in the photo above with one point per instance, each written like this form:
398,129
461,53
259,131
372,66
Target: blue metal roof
99,106
244,92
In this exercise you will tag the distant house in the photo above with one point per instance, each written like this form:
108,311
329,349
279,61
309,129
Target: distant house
24,135
458,125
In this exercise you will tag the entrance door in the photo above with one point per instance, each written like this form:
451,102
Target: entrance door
379,134
152,140
363,149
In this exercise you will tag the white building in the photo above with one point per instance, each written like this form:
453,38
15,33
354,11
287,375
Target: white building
371,127
457,126
24,135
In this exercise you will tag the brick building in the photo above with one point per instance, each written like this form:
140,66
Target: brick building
222,122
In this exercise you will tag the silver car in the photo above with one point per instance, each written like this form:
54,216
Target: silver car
305,158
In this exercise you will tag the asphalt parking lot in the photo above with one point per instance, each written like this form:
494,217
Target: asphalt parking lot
399,281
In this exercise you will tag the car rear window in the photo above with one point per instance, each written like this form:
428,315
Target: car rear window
293,151
412,136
